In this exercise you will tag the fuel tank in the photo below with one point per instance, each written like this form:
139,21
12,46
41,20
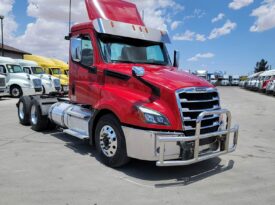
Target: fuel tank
69,116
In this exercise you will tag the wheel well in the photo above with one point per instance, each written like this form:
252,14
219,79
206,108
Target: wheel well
94,121
14,85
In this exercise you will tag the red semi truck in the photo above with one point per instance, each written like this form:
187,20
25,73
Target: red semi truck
128,99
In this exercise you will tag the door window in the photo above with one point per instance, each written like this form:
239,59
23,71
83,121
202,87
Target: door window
27,70
2,69
82,50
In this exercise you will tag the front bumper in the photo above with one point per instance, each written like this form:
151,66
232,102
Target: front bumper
165,149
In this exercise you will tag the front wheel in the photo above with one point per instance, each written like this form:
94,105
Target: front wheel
16,91
110,142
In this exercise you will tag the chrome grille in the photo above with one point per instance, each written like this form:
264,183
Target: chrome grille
56,83
37,83
2,82
194,101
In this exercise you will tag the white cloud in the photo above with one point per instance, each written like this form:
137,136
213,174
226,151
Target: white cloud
187,36
224,30
200,37
265,17
175,25
10,25
155,11
200,56
45,35
218,18
197,13
238,4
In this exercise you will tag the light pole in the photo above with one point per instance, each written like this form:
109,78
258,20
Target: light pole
2,33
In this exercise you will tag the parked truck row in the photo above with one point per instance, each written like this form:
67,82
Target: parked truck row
53,75
217,79
262,81
129,99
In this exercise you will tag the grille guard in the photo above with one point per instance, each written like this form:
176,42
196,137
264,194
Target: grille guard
197,158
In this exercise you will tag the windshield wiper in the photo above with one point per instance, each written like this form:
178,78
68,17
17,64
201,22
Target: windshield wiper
123,61
153,63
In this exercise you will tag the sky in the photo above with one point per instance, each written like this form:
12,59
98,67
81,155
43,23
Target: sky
214,35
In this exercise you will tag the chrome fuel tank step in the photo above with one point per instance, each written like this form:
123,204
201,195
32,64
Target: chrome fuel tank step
73,118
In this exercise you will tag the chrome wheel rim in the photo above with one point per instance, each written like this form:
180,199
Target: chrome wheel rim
33,115
108,141
15,92
21,111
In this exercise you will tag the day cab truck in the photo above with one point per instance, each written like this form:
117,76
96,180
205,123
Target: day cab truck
49,83
235,80
128,99
19,83
64,67
225,80
50,68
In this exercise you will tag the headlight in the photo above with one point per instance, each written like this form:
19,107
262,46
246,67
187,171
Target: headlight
152,117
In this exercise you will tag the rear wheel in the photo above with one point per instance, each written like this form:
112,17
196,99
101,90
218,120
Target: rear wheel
110,142
16,91
24,107
38,121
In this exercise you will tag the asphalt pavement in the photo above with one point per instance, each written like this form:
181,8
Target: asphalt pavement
55,168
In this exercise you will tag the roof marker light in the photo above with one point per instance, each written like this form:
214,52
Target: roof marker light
146,30
133,27
140,29
112,24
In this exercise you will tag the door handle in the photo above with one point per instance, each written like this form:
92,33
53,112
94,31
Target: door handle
93,69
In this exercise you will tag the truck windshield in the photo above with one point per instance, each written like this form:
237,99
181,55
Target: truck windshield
37,70
15,69
126,50
56,71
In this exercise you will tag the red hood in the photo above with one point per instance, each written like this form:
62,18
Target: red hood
164,76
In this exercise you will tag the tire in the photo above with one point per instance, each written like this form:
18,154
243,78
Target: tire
110,142
43,90
16,91
23,110
37,120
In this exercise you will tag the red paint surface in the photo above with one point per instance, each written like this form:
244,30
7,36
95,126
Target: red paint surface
116,10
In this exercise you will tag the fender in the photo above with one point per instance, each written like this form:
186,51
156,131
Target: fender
123,103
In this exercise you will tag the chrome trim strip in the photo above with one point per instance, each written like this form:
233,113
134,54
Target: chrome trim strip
196,101
189,119
188,128
202,110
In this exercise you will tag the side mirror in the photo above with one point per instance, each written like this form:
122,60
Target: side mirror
138,71
76,47
176,59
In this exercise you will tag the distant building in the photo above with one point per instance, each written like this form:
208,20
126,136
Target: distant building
12,52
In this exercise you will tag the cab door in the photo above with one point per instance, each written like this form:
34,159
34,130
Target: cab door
83,69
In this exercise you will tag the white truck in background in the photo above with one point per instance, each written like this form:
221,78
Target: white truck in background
235,80
19,83
49,83
3,86
225,80
213,80
202,74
